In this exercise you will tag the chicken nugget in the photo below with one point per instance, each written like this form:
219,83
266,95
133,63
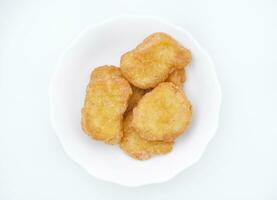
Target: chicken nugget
178,77
106,101
135,97
137,147
162,114
151,62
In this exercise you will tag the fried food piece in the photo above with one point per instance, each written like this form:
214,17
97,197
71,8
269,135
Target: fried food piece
178,77
137,147
162,114
135,97
151,62
106,101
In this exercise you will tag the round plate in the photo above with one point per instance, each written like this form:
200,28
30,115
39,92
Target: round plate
103,44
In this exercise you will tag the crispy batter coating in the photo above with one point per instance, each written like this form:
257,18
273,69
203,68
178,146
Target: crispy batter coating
151,62
162,114
135,97
105,103
178,77
137,147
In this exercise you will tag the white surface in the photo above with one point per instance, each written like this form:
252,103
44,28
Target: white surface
239,163
92,48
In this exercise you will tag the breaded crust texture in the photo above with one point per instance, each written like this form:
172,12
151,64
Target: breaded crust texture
162,114
151,62
135,97
178,77
106,101
139,148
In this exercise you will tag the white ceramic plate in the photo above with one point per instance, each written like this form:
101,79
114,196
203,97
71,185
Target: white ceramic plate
103,44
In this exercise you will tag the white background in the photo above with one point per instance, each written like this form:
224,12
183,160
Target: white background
240,162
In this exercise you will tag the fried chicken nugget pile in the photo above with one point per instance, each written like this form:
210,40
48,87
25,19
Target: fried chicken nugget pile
151,62
105,103
162,114
141,106
137,147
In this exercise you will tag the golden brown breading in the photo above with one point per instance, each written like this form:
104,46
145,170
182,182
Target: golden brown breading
137,147
151,62
135,97
162,114
106,100
178,77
